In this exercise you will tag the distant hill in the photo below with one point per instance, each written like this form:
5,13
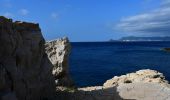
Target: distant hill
133,38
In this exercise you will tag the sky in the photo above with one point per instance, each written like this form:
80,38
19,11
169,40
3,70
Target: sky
92,20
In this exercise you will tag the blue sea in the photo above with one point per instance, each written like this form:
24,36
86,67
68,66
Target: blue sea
92,63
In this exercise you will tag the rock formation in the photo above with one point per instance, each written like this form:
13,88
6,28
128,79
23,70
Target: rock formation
142,85
25,70
145,76
58,52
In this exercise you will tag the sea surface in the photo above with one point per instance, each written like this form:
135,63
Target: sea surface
92,63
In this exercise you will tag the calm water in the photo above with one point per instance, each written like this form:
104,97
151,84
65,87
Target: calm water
94,63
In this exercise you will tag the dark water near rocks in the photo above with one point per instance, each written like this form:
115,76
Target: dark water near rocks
93,63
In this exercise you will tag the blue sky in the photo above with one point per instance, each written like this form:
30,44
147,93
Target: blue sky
92,20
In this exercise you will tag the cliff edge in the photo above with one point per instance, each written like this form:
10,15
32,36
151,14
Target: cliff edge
58,52
25,70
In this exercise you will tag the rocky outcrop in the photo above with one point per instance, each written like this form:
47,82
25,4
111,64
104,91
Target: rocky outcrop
25,70
142,85
58,52
145,76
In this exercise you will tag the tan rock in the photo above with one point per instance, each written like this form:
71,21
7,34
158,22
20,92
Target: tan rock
145,76
58,52
133,91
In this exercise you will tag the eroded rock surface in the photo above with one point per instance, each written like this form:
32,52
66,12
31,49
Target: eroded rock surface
143,91
145,76
58,52
25,70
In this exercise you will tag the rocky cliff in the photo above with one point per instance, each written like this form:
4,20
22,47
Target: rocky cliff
25,70
58,52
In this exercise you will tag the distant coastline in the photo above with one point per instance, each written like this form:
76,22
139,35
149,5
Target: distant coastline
141,39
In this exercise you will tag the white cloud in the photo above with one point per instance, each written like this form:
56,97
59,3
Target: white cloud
155,22
23,12
54,15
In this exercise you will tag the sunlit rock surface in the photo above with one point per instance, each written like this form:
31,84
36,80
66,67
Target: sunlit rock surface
145,76
58,52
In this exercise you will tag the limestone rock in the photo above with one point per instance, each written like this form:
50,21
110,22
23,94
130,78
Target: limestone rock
145,76
132,91
143,91
58,52
25,70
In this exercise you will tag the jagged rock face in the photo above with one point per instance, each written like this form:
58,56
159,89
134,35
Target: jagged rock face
58,52
25,70
145,76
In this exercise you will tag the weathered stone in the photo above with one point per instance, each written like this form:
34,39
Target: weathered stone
25,70
143,91
132,91
58,52
146,76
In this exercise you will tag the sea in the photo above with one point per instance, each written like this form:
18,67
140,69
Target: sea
92,63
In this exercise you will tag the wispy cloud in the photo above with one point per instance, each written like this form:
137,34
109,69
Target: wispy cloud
155,22
23,12
166,2
54,15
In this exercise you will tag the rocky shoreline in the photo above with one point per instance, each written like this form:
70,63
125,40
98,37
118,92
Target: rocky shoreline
32,69
141,85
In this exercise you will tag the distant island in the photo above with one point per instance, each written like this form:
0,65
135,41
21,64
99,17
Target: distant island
134,38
